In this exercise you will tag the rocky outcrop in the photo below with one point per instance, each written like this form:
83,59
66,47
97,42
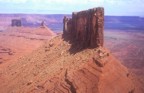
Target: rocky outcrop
53,69
86,27
42,24
16,22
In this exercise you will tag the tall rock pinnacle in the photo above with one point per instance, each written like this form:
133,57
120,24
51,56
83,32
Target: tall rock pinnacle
86,27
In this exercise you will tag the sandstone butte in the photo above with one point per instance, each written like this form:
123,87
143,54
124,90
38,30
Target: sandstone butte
75,62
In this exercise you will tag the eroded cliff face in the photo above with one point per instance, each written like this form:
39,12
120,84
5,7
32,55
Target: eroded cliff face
86,27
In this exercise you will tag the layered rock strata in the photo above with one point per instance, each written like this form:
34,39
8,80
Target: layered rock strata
86,27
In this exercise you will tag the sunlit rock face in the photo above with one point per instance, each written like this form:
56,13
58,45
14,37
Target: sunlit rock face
86,27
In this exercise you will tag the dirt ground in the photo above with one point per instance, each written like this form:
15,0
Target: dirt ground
31,64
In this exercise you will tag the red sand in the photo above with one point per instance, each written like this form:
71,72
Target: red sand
16,42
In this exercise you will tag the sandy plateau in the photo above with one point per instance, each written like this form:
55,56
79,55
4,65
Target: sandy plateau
15,42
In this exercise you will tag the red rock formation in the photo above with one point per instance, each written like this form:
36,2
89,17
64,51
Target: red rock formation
86,27
42,24
16,22
53,69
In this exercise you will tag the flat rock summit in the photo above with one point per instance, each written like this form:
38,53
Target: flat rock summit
73,62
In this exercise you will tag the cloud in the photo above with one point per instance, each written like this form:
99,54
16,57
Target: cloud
67,6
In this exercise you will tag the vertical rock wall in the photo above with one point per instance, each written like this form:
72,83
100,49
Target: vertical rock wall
86,27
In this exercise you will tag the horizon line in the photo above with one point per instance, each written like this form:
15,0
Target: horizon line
62,14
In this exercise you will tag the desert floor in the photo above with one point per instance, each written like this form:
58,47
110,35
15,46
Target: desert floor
18,42
127,46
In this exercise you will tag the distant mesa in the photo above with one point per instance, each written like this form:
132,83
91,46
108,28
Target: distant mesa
42,29
86,27
16,22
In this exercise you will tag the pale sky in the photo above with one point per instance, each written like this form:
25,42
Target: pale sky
112,7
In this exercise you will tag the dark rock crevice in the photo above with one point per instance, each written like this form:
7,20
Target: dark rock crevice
72,88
